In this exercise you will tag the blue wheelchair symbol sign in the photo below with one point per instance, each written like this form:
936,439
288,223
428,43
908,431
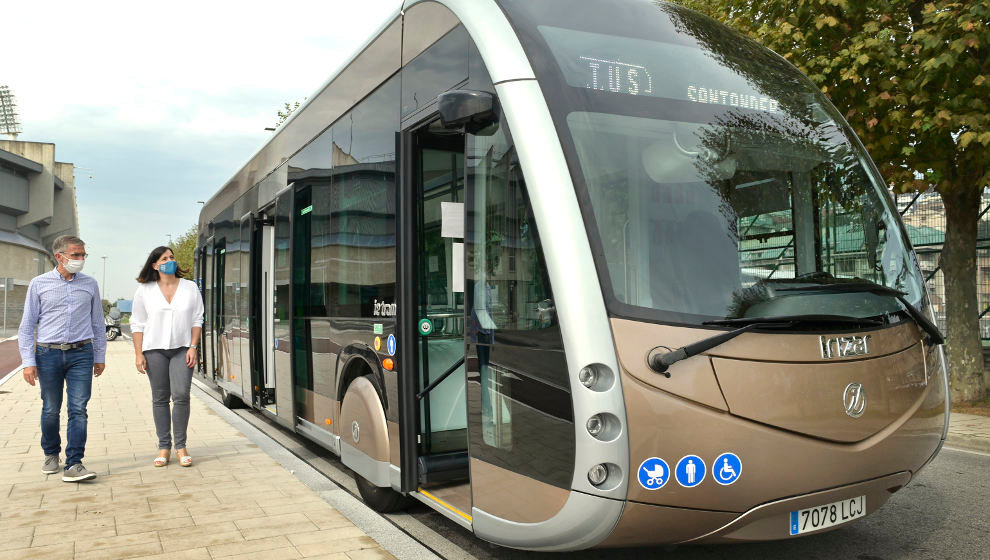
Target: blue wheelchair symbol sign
690,471
390,345
653,473
727,468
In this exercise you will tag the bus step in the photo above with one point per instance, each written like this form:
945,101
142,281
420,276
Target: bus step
443,467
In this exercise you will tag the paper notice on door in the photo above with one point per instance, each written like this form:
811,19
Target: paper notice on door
457,268
452,221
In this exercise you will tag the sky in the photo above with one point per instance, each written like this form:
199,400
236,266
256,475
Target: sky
158,105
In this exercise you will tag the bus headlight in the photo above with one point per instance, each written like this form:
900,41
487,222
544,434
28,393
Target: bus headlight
595,425
603,426
597,377
588,377
598,474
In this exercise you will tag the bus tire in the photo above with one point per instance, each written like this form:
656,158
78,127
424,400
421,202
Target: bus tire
382,500
229,400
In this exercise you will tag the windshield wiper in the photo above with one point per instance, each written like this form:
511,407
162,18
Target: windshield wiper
860,285
662,362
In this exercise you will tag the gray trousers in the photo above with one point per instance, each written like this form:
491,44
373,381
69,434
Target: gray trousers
169,377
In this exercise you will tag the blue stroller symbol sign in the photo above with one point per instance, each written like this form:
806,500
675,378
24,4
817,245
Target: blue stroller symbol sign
727,468
653,473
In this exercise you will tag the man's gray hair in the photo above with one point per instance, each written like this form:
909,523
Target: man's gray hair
62,243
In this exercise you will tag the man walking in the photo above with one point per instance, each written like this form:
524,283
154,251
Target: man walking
70,349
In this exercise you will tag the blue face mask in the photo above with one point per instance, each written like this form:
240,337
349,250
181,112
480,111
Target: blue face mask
168,268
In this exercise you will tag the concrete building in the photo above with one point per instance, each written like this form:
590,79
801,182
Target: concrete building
37,204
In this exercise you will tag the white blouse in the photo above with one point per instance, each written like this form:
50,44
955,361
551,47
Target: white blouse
165,325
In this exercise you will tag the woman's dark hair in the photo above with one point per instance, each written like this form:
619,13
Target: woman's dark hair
149,274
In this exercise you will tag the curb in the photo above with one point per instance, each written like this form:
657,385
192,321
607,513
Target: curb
968,442
11,374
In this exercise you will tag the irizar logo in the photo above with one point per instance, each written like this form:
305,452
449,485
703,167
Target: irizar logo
844,346
854,399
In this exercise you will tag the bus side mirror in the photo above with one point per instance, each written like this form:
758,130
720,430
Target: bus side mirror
470,110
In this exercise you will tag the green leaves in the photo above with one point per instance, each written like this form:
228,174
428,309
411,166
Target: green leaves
912,79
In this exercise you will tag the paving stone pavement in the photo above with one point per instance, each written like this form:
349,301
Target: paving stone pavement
235,501
969,431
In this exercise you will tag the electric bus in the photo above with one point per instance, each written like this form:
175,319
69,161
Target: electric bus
574,274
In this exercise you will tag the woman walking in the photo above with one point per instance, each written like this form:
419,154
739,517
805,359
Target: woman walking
166,321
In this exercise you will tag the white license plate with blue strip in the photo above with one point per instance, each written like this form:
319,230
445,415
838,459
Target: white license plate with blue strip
828,515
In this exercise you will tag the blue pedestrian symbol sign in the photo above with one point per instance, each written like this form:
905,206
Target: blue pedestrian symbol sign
653,473
390,345
690,471
727,468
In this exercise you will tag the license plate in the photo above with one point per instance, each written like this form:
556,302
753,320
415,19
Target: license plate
828,515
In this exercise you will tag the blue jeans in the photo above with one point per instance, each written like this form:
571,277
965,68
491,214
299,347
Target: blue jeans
74,370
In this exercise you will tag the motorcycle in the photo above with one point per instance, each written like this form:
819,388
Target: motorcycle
112,320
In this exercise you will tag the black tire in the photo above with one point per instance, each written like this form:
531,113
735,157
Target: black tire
229,400
382,500
111,334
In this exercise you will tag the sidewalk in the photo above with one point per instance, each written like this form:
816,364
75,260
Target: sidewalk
969,431
235,502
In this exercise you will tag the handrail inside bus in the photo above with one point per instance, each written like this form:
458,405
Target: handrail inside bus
440,379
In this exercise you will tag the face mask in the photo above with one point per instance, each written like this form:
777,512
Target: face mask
168,268
73,266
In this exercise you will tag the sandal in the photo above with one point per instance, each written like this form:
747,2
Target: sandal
161,460
185,460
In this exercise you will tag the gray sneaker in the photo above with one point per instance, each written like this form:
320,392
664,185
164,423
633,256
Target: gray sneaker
51,465
76,473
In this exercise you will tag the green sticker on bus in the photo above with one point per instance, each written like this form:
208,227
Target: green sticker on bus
425,327
306,210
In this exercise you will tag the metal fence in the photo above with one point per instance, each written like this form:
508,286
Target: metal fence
924,217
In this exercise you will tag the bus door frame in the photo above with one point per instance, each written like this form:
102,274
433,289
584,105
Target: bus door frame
407,351
262,305
218,324
207,357
408,146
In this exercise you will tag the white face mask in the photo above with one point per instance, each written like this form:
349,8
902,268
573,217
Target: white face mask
73,266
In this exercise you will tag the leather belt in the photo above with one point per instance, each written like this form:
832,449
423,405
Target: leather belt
67,346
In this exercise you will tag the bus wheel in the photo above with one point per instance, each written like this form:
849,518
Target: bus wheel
382,500
229,400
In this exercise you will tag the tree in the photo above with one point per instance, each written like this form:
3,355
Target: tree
185,248
284,115
913,79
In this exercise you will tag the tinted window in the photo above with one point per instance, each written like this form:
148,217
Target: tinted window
310,171
359,247
526,417
436,70
283,239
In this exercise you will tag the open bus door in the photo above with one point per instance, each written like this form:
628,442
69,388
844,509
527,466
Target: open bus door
431,353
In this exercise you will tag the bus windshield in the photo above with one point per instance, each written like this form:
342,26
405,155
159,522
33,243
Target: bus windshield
714,173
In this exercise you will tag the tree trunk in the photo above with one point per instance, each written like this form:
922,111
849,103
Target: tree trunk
963,346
